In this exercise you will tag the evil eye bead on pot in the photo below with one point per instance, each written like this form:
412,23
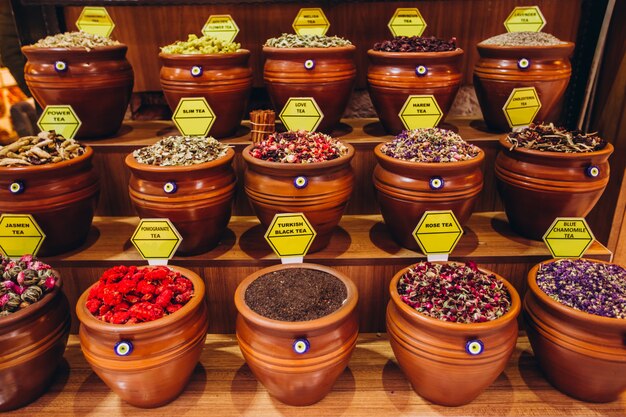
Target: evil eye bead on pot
592,171
421,70
301,346
196,71
474,347
123,348
16,187
523,63
436,183
309,64
170,187
60,66
300,182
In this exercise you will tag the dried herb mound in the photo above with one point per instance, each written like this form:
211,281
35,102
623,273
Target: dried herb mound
297,294
298,147
290,40
454,292
584,285
45,148
416,44
547,137
201,45
78,39
181,151
523,39
430,145
23,283
127,294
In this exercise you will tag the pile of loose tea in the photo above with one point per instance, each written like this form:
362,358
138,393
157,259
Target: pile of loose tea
127,294
296,294
416,44
181,151
201,45
454,292
23,282
298,147
547,137
45,148
78,39
523,39
290,40
588,286
430,145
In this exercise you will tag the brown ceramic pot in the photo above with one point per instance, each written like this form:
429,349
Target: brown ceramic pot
405,190
537,186
62,198
96,83
498,72
329,80
581,354
268,345
393,76
271,188
164,352
433,354
32,343
224,80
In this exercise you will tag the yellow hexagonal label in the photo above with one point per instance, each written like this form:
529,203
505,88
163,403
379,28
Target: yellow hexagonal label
438,232
420,111
95,20
221,26
407,22
311,21
20,235
290,235
156,239
60,118
521,107
301,113
568,237
193,116
525,19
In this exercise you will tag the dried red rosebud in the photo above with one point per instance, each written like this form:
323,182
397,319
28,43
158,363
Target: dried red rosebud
93,306
120,317
111,297
172,308
103,309
145,287
121,307
164,298
184,297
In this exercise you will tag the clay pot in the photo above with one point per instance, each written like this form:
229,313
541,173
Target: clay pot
581,354
96,83
163,353
288,72
498,72
537,186
393,76
433,354
272,188
197,199
224,80
32,343
268,346
405,190
62,198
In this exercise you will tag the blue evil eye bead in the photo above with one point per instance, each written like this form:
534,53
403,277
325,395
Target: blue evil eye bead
421,70
300,182
60,66
16,187
123,348
474,347
170,187
592,171
309,64
301,346
523,63
196,71
436,183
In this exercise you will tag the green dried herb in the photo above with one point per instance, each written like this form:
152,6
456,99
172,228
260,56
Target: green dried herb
78,39
523,39
202,45
290,40
181,151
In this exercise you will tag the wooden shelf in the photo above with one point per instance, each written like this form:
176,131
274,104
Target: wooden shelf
373,385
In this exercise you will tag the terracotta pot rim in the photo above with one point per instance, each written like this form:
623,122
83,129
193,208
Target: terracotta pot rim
132,163
87,319
238,52
568,311
273,49
42,169
423,319
294,326
409,55
33,308
426,165
607,150
299,167
107,48
564,45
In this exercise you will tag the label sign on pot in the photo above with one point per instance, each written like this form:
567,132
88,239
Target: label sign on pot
221,26
521,107
407,22
568,237
437,233
301,113
20,235
420,111
290,235
95,20
525,19
311,21
156,240
60,118
193,116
